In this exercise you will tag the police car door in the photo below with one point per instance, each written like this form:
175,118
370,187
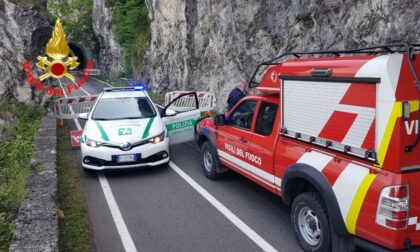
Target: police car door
180,117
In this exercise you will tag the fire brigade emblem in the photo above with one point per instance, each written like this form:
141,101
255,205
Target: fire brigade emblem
58,61
274,76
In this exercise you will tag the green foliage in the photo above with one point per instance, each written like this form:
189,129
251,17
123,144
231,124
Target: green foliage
2,8
73,222
111,3
157,97
15,154
121,74
132,28
76,16
7,226
116,83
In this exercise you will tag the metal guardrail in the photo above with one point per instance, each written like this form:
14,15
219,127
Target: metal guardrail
92,72
95,72
127,81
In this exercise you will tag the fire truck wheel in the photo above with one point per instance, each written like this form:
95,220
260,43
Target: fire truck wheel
311,222
209,161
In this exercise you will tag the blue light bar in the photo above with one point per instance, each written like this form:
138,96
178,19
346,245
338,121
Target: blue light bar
138,85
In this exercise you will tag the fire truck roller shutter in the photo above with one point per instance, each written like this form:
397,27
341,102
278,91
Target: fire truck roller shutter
339,110
298,178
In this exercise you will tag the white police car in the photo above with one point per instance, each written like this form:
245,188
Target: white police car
125,129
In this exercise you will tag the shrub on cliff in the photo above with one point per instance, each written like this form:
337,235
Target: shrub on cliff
132,28
76,17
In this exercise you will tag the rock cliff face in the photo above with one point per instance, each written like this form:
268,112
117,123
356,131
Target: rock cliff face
24,31
210,45
111,55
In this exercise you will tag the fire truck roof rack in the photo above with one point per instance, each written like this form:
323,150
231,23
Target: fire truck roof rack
392,48
406,48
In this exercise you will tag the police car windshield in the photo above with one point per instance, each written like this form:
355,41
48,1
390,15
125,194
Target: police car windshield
123,108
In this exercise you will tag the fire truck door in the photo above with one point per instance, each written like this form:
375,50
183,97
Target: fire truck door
263,143
234,139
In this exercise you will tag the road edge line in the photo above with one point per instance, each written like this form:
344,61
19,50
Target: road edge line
235,220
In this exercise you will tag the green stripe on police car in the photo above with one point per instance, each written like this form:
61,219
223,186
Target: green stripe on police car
147,130
181,124
101,129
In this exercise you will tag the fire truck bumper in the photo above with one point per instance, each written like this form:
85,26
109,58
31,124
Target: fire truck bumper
369,246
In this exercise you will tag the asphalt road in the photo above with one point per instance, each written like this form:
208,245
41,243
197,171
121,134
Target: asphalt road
161,211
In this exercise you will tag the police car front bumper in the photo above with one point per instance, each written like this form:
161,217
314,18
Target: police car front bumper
104,157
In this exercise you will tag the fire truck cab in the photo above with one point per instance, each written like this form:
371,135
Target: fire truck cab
336,135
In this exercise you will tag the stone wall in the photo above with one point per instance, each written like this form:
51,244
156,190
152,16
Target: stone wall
209,45
36,224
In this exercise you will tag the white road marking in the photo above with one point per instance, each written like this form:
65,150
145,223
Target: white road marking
125,236
101,81
256,238
84,90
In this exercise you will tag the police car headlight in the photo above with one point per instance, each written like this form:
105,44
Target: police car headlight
157,139
92,143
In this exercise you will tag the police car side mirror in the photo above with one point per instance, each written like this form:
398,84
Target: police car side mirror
168,112
83,116
219,120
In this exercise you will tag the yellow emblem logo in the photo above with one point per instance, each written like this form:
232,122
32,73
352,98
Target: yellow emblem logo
58,50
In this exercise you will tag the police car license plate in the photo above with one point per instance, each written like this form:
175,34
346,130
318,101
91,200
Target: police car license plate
126,158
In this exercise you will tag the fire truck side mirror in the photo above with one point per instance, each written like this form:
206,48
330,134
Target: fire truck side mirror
219,120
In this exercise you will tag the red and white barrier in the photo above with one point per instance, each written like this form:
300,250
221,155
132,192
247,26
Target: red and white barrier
206,100
71,107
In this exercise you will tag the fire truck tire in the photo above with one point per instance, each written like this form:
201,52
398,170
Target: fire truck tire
311,223
210,161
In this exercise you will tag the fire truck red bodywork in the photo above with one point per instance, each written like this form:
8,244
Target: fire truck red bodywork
357,182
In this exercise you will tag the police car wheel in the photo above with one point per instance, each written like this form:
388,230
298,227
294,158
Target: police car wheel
311,223
209,161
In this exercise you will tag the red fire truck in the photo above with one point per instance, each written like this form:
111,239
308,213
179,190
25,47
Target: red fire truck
336,135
